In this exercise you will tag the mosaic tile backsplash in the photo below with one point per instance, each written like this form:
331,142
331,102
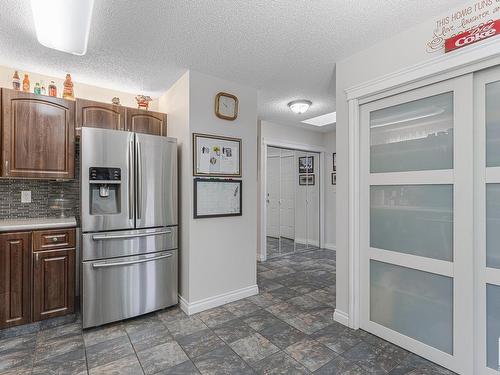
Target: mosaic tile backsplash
42,191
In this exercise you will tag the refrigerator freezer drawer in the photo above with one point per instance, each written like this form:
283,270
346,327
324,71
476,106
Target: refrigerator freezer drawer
127,242
120,288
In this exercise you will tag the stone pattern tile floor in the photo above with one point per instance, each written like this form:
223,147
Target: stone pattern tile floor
287,329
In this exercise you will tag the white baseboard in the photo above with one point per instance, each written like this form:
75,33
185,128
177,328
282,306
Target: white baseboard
304,241
191,308
330,246
341,317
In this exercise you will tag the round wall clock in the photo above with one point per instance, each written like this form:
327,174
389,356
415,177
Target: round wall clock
226,106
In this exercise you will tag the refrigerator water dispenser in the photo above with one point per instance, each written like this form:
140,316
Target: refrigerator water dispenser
104,190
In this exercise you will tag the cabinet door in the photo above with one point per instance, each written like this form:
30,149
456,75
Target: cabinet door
99,115
141,121
38,136
53,283
15,278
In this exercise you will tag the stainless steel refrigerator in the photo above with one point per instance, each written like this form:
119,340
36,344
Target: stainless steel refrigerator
129,224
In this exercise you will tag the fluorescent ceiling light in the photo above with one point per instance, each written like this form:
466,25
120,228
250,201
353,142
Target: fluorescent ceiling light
299,106
63,25
326,119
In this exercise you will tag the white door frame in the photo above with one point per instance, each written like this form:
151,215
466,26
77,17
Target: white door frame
483,176
265,142
467,60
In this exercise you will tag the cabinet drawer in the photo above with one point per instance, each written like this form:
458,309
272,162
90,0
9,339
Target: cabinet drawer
53,239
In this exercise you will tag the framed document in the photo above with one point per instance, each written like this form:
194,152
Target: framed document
306,164
217,198
215,156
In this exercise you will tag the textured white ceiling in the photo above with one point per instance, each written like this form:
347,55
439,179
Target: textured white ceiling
285,48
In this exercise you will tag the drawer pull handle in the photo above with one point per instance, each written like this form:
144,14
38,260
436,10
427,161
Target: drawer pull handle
119,236
103,265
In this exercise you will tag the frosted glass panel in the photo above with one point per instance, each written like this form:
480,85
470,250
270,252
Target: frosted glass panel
492,325
413,136
493,225
493,124
413,219
414,303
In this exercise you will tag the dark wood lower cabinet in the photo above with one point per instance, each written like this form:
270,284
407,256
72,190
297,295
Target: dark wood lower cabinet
53,283
15,279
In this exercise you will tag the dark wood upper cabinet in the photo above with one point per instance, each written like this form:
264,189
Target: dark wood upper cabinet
53,283
15,279
38,136
148,122
99,115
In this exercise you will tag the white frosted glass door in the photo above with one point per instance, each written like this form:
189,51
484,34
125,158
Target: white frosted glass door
413,219
416,205
413,136
415,303
487,218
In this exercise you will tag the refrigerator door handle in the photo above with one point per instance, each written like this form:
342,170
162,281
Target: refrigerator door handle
126,263
131,181
139,179
100,237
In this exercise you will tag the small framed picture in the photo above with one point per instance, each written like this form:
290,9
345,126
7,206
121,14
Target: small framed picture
306,164
334,162
307,179
216,156
334,178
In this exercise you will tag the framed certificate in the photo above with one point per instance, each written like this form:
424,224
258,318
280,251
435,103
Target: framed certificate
216,156
217,198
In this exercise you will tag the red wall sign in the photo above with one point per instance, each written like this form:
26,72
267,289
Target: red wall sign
474,35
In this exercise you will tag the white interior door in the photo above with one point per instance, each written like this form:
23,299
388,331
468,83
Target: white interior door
287,206
416,217
313,192
487,219
273,195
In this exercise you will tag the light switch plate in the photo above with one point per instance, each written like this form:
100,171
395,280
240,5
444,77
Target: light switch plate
26,196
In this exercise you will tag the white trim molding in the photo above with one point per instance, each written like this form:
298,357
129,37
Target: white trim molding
341,317
191,308
464,58
330,246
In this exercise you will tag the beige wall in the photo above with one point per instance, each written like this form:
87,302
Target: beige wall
218,254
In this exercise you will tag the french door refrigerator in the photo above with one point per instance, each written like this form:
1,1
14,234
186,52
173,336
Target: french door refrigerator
129,224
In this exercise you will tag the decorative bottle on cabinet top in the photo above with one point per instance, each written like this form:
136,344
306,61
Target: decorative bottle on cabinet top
16,82
68,88
37,90
26,83
52,89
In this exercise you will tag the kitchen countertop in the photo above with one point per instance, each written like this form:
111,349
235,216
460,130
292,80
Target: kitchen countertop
13,225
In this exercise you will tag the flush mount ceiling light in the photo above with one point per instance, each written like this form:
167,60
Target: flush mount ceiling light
63,25
323,120
299,106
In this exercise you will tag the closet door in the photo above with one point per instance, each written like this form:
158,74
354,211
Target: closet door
487,218
287,201
312,197
273,194
416,221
